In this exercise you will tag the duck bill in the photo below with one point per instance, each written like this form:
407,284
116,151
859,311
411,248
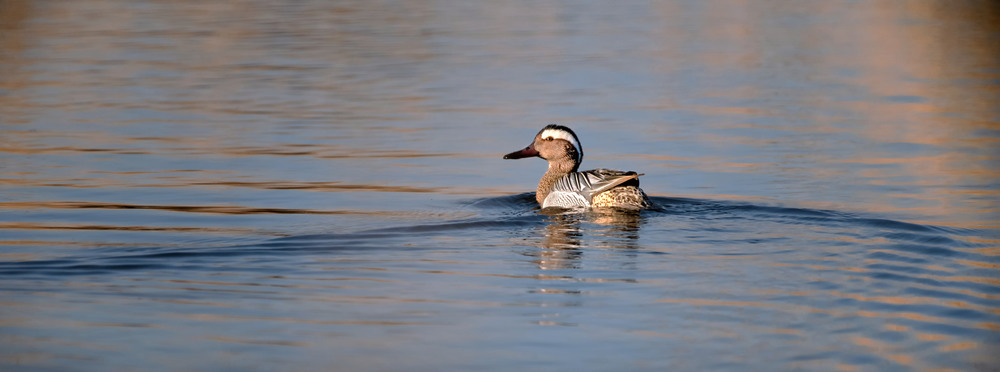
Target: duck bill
527,152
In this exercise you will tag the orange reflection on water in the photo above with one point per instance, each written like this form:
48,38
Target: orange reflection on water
964,345
887,351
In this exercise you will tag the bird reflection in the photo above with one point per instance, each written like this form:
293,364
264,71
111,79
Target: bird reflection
561,246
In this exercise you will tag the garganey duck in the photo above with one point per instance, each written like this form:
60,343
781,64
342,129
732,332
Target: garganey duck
562,186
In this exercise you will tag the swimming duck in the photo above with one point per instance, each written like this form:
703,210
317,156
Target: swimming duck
562,186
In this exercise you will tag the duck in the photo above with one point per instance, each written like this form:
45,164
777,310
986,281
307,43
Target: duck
564,186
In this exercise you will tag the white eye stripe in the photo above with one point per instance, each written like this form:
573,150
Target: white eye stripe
555,133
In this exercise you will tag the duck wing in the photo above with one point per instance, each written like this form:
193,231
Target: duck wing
586,184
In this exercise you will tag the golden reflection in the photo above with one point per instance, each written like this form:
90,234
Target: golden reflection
562,244
818,267
655,334
896,327
847,367
884,350
932,337
257,341
964,345
83,244
913,300
120,146
842,313
905,315
989,326
189,182
561,247
190,209
14,41
985,265
42,226
708,302
218,318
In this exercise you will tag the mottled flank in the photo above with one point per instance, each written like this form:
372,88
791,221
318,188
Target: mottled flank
625,197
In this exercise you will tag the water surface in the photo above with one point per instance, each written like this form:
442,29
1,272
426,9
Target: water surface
316,186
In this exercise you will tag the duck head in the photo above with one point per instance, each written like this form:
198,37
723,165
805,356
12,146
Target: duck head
556,144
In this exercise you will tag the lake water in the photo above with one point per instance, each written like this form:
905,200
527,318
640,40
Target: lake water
313,185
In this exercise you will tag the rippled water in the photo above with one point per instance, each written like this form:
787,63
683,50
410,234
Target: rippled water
316,186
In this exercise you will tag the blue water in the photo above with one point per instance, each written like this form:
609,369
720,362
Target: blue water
693,284
314,186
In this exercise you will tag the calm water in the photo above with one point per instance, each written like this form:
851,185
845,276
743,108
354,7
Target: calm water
317,185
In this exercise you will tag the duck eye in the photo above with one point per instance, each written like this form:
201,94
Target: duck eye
549,138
